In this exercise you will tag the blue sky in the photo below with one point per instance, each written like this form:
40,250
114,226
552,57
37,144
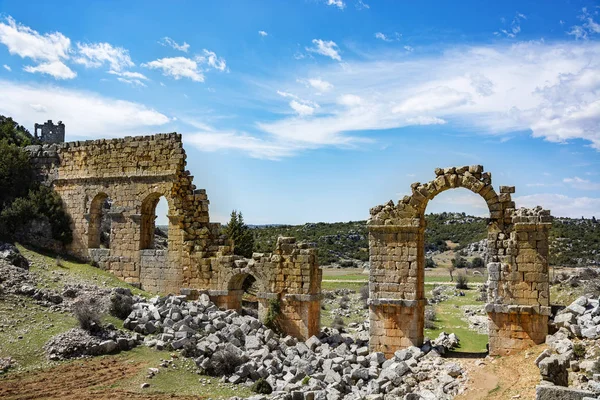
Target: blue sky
316,110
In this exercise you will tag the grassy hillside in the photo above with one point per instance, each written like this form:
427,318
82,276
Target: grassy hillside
573,242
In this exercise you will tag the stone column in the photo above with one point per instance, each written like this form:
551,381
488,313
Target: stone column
518,316
397,302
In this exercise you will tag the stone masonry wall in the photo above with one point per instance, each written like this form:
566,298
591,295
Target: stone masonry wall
134,172
518,265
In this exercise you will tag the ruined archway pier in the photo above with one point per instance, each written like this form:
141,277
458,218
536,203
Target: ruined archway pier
134,172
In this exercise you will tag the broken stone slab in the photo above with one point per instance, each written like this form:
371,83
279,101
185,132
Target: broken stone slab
550,392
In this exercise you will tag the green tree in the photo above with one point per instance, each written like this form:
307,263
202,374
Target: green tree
459,262
14,133
477,262
16,176
241,234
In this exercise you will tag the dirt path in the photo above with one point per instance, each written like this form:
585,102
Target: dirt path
88,379
512,377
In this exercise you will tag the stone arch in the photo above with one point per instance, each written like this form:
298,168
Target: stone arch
518,290
95,220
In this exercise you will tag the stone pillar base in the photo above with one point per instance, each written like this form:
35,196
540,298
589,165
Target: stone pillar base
300,315
512,332
395,324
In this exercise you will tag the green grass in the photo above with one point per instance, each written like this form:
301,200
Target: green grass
342,285
449,320
181,380
441,278
35,324
346,277
46,267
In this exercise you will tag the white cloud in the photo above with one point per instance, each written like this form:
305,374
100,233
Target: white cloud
94,55
319,84
54,68
167,41
211,59
6,67
337,3
432,99
515,27
349,100
303,108
129,75
386,38
325,48
361,5
132,82
583,184
589,26
263,33
85,114
177,67
561,205
409,49
548,89
49,50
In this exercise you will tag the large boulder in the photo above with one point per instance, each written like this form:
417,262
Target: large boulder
11,254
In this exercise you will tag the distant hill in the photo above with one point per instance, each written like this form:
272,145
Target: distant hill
573,242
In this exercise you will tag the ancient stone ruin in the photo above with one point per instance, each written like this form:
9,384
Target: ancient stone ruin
123,179
50,133
518,294
134,173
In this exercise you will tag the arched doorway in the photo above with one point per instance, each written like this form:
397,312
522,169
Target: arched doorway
99,229
518,290
154,226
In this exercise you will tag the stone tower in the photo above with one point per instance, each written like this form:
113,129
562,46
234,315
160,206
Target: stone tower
50,133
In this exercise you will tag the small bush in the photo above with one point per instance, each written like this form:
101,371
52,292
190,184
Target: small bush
223,362
261,386
429,263
477,262
579,350
459,262
59,262
344,302
364,292
338,323
305,380
272,314
120,305
462,282
430,318
87,314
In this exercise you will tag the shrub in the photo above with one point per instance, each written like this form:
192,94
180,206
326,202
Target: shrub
429,263
120,305
579,350
16,175
430,317
261,386
477,262
338,323
87,314
344,302
305,380
240,233
462,282
272,314
223,362
459,262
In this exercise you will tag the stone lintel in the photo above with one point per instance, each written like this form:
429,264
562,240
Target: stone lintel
396,302
268,296
516,309
303,297
136,217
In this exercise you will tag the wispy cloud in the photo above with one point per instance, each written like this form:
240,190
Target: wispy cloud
88,114
6,67
588,27
49,50
317,83
515,27
337,3
326,48
388,38
583,184
263,33
167,41
361,5
177,68
93,55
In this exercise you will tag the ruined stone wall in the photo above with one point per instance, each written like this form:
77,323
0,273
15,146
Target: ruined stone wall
134,173
518,265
